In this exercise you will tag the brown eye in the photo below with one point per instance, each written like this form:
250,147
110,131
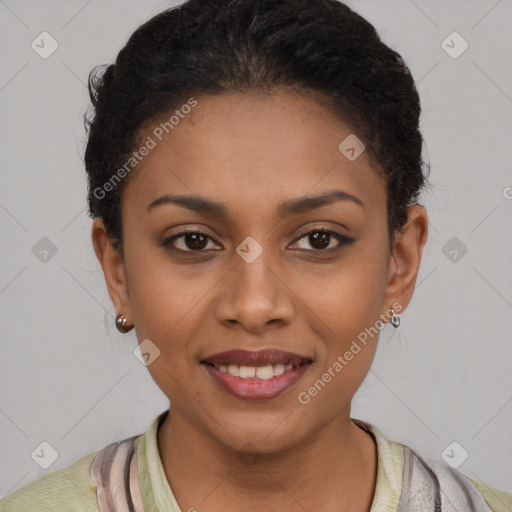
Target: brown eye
188,241
321,239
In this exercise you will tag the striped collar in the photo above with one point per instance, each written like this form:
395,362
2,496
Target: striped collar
130,477
157,494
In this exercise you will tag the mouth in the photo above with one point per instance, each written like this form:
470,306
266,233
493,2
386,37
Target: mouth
256,375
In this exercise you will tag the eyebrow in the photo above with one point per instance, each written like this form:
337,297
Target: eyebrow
285,209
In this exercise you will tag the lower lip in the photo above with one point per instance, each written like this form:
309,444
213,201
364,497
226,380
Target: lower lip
256,389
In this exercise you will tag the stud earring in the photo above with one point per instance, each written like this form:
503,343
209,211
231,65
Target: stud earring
121,324
395,319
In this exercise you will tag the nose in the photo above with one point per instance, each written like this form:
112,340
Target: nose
255,296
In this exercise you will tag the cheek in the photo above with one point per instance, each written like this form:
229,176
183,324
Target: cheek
164,308
348,296
165,311
346,316
345,305
159,295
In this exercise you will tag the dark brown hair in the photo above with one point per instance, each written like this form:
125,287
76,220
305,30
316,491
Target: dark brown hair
320,48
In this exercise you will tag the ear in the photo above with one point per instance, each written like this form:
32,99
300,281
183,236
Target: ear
405,260
113,269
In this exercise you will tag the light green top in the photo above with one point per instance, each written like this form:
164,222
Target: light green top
72,488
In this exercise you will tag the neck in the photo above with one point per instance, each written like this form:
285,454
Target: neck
333,470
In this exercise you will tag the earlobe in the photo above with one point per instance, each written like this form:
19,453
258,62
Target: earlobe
406,258
113,268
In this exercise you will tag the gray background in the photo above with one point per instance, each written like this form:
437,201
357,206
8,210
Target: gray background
67,377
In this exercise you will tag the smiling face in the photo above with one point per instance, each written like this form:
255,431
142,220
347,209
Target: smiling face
259,273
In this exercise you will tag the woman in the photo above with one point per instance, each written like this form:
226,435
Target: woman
254,172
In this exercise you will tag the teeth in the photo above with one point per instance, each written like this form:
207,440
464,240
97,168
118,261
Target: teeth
232,369
259,372
279,369
247,372
265,372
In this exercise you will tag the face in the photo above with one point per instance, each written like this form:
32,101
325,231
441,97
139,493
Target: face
250,262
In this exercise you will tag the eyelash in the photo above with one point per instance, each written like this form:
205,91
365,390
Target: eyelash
344,241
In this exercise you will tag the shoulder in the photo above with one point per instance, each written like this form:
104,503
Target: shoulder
415,483
499,501
426,480
69,488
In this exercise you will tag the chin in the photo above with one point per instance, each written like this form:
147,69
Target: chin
264,435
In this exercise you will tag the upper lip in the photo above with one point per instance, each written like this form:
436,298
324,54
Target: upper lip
255,358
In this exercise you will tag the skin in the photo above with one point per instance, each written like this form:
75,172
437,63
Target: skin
251,152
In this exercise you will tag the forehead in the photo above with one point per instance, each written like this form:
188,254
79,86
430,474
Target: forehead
251,148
